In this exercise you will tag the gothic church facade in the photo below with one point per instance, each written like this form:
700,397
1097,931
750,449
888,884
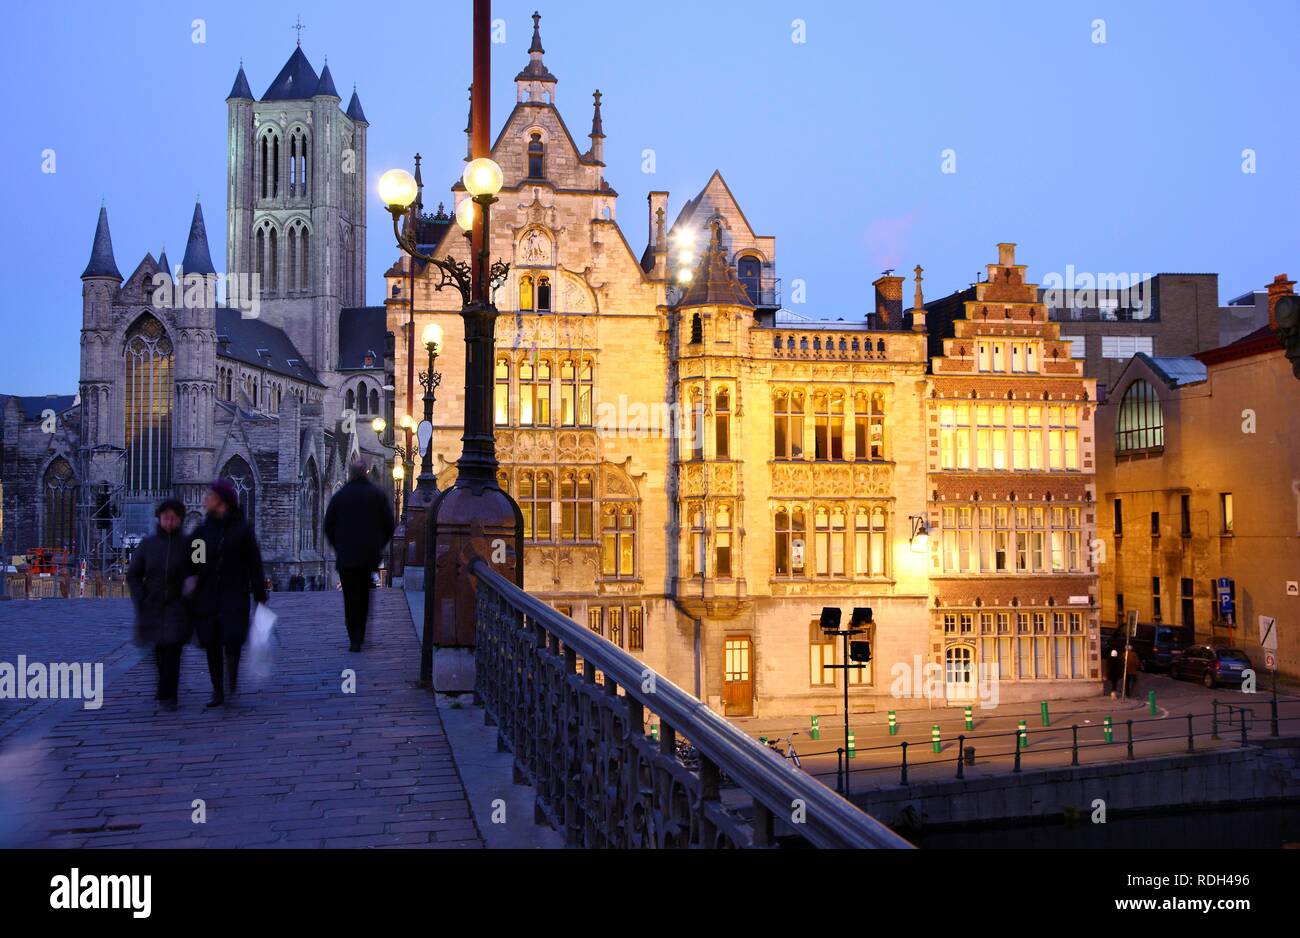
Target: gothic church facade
178,388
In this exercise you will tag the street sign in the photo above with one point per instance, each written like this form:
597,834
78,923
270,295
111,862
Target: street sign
1268,633
1224,589
1293,587
1269,661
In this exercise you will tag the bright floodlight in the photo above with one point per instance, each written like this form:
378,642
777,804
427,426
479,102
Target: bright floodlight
465,215
686,258
432,335
685,276
397,188
483,177
685,238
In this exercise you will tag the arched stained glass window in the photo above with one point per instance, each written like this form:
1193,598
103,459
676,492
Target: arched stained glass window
60,505
148,408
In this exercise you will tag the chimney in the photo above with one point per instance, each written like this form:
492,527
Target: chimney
1006,255
1279,288
889,301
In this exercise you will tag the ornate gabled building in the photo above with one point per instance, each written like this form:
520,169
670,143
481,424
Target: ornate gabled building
701,473
267,375
1012,495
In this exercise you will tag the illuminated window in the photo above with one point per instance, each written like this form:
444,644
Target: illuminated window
954,436
535,503
635,628
1140,424
698,538
148,407
501,397
788,425
577,506
869,541
722,543
526,293
722,425
828,426
618,540
829,540
821,655
568,392
535,393
790,530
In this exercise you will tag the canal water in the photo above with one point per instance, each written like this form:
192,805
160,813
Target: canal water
1267,826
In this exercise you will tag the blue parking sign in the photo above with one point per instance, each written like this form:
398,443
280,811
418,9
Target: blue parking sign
1225,597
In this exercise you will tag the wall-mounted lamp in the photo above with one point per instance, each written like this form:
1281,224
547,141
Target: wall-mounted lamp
920,534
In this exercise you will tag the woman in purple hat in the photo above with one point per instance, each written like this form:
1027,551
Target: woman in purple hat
228,571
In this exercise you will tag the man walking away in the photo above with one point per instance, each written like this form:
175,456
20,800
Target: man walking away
156,577
1132,665
359,525
1114,672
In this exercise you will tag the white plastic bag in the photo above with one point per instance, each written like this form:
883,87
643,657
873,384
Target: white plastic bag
259,640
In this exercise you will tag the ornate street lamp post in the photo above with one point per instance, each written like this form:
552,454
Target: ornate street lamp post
430,381
474,517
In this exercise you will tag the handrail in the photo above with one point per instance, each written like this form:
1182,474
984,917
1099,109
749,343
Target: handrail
778,790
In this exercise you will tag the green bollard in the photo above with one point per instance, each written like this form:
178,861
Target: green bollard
1042,709
935,743
1151,701
1108,725
1023,735
970,718
816,731
853,745
893,723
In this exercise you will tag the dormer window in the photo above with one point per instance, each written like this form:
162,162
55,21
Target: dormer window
536,157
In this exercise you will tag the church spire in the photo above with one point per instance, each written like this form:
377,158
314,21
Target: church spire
240,90
198,259
597,131
102,263
164,265
535,82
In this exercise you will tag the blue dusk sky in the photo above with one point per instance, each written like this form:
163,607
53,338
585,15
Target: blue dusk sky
1117,156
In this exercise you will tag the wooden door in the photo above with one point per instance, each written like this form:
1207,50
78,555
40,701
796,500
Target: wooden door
738,677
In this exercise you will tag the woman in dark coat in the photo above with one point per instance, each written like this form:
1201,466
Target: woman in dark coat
228,571
156,578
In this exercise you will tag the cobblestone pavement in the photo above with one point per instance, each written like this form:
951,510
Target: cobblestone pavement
294,760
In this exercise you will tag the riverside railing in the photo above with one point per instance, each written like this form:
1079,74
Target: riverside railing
601,778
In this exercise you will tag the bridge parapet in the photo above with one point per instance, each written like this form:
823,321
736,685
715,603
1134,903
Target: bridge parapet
582,743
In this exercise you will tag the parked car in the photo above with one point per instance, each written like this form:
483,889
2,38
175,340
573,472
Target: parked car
1156,645
1210,666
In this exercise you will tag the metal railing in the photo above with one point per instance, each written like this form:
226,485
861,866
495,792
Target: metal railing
1224,723
600,777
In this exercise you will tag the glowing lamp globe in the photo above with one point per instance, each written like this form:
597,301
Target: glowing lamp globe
406,422
397,189
685,277
465,215
483,177
432,335
379,424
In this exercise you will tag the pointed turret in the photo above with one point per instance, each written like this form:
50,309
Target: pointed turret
198,259
297,81
326,86
102,263
163,264
535,82
714,282
597,131
240,90
354,109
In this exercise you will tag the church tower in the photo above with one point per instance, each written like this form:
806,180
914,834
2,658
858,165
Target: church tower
296,196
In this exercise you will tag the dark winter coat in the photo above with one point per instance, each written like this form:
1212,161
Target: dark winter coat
229,576
156,576
359,524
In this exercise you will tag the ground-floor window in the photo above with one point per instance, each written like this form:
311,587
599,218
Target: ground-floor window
1046,644
622,625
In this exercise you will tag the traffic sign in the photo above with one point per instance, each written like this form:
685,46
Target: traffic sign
1268,633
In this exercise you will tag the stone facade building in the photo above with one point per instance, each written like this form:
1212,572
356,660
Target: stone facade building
267,375
700,473
1199,481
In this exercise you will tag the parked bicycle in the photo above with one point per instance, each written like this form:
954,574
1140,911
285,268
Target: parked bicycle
789,753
